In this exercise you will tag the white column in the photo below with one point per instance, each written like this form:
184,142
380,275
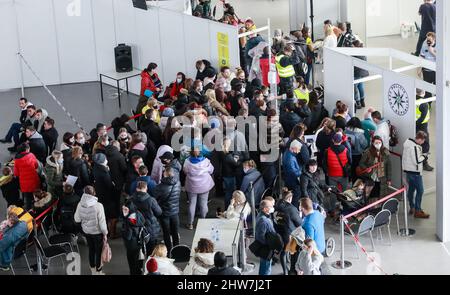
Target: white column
443,122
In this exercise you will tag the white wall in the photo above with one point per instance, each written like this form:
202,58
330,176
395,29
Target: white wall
384,17
75,46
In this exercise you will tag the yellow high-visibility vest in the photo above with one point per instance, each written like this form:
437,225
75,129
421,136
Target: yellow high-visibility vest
299,94
284,72
419,113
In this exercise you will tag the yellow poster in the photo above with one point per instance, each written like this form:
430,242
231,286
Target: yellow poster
224,51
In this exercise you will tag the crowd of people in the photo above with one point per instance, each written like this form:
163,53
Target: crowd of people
137,176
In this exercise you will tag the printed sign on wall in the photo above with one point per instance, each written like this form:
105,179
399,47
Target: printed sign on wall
224,50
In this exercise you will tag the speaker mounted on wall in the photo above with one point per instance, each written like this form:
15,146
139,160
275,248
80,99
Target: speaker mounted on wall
124,58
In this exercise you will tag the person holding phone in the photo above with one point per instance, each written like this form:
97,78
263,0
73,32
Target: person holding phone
309,260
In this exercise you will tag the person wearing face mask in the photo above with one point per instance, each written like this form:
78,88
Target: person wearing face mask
265,227
285,68
95,133
278,42
251,174
224,79
313,223
177,85
287,219
54,173
429,52
311,185
80,140
376,163
292,170
337,157
150,80
67,145
265,67
105,188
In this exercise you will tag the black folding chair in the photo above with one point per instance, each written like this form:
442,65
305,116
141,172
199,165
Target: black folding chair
21,250
49,252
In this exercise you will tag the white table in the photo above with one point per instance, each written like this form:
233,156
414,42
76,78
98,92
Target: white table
113,75
220,231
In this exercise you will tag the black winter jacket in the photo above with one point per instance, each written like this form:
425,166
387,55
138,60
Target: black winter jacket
167,193
79,168
287,219
312,187
149,207
117,166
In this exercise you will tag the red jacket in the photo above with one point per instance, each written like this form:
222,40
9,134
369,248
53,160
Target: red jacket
265,67
334,169
176,89
147,83
25,166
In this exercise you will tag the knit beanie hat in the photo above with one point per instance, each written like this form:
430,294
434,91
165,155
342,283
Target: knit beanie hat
152,265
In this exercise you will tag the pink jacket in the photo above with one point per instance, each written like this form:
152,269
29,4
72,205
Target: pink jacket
198,175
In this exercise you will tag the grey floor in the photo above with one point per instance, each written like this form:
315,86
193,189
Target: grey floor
420,254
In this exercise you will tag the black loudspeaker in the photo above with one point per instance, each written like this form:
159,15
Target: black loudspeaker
124,59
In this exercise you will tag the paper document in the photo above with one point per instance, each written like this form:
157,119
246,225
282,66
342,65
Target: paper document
71,180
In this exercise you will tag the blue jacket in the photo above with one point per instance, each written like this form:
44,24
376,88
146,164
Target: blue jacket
150,184
11,237
313,224
292,170
264,225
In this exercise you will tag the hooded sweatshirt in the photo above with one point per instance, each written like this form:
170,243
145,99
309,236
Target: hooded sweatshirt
91,215
158,167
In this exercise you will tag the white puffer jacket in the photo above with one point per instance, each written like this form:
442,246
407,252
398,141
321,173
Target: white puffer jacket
91,215
200,264
412,157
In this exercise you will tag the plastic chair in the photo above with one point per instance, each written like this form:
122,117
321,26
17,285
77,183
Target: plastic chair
392,205
59,239
21,250
366,226
50,252
181,253
383,219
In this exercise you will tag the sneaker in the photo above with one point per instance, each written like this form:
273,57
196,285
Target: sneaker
427,167
4,268
358,106
412,211
421,214
190,226
5,141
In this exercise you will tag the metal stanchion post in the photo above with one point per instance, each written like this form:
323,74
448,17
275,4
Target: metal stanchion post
406,232
252,194
38,254
234,254
342,264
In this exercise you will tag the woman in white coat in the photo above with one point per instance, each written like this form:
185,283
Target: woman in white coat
165,264
203,259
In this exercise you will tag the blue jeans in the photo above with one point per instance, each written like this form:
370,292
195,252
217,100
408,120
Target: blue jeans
14,132
308,74
359,92
415,183
265,267
229,186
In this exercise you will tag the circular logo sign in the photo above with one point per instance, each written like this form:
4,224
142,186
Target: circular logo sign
398,99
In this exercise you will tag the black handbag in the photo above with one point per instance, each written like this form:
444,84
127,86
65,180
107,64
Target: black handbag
260,250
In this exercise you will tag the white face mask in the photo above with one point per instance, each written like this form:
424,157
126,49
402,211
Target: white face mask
271,210
107,143
246,170
378,146
243,90
179,80
200,89
60,161
82,141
